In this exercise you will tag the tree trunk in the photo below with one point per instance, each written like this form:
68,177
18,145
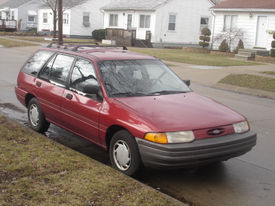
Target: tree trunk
54,24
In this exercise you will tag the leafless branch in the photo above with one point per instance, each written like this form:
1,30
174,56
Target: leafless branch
230,36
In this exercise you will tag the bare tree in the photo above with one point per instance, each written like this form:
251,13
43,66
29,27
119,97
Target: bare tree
231,36
53,6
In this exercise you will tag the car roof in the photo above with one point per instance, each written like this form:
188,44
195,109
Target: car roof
102,53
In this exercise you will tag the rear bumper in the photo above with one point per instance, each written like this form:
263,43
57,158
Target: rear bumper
20,94
197,153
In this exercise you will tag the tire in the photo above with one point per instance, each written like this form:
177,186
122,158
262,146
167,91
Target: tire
123,143
36,117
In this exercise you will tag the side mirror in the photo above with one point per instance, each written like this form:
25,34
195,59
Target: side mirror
187,82
91,89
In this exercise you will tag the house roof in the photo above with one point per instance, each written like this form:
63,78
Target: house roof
67,3
13,3
246,4
2,1
144,5
134,5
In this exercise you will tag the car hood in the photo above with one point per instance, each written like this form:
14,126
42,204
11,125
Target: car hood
178,112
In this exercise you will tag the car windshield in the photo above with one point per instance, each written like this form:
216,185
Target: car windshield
125,78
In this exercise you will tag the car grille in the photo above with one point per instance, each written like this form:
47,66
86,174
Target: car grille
214,132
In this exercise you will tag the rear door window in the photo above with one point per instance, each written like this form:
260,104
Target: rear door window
35,63
60,69
46,71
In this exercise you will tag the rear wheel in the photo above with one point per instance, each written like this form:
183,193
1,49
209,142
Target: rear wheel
124,153
36,117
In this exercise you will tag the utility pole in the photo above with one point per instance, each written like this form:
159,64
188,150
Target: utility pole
60,22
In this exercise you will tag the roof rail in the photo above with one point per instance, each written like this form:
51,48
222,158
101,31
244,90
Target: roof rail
76,47
69,43
84,45
97,45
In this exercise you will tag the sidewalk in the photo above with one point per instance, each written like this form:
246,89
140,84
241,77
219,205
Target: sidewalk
211,75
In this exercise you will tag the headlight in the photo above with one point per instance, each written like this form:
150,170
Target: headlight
171,137
241,127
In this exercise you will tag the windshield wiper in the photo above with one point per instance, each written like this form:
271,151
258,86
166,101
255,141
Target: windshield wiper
163,92
127,94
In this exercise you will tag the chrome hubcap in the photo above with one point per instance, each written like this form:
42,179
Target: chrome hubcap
34,115
122,155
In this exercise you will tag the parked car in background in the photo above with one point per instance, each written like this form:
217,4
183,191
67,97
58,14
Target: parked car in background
130,104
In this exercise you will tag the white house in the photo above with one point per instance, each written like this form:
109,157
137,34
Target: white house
80,17
254,20
171,22
23,12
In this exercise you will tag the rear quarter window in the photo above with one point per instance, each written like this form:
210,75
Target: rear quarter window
35,63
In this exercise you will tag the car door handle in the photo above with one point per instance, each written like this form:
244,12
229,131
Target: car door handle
69,96
38,84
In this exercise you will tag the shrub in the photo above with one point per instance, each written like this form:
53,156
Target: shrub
203,44
205,31
99,34
240,46
205,37
272,52
224,46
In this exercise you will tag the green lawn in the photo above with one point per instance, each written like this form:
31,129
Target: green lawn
12,43
178,55
250,81
35,170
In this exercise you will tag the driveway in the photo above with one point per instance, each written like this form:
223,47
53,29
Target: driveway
248,180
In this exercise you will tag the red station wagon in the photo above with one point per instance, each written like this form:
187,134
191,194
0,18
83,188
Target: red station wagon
131,105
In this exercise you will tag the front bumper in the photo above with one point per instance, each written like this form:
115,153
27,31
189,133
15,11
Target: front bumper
196,153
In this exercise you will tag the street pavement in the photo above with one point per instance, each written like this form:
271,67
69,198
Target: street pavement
248,180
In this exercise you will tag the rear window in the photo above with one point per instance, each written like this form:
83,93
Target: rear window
35,63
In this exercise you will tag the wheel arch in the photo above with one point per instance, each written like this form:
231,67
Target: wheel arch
111,131
28,97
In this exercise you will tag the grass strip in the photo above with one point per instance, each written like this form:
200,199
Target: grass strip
269,72
250,81
37,171
42,39
178,55
12,43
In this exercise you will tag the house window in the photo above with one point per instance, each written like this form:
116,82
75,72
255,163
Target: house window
113,20
204,22
65,18
230,22
86,19
30,18
144,21
45,18
172,22
12,15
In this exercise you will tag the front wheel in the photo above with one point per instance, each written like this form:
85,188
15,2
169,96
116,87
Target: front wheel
124,153
36,117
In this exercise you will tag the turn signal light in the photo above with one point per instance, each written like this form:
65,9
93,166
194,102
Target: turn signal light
160,138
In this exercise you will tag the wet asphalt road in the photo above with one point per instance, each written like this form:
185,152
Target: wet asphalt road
248,180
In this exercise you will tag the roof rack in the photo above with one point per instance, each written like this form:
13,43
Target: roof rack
76,47
97,45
